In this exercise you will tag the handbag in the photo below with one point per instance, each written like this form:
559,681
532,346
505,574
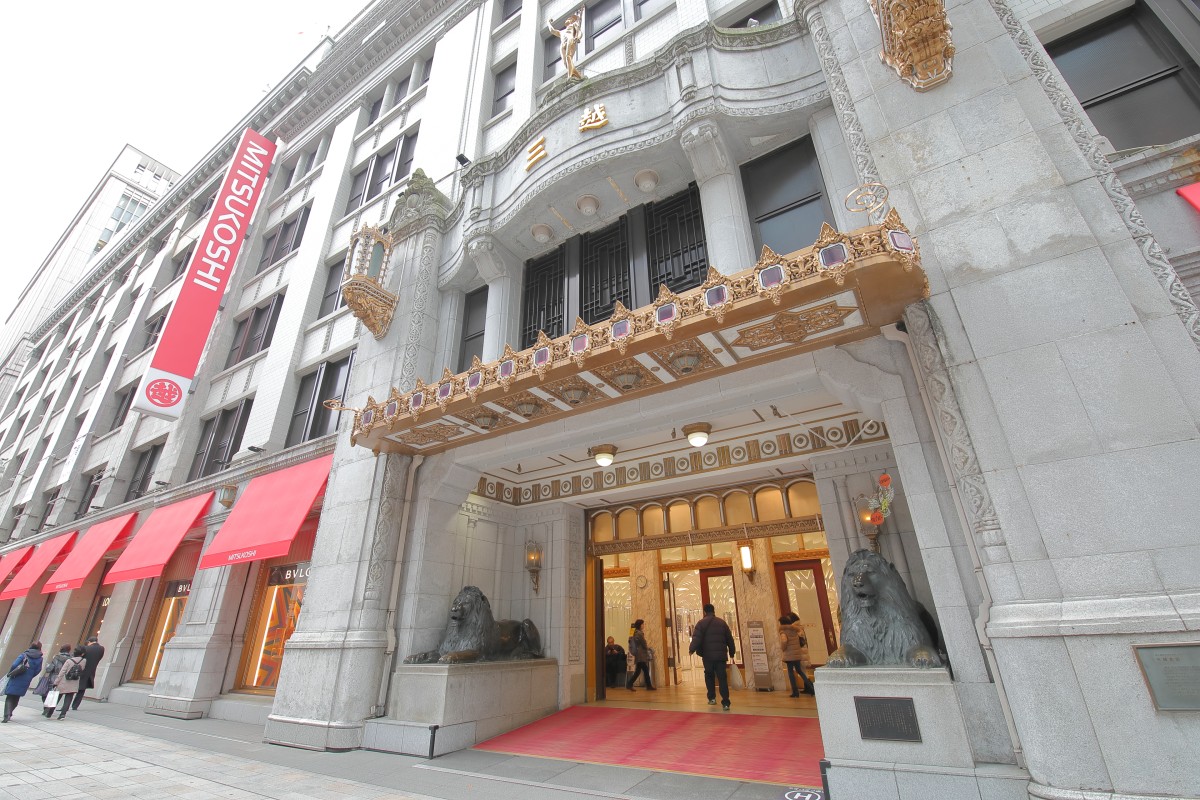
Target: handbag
735,677
51,700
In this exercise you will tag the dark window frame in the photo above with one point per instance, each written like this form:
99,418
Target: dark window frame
598,27
470,341
220,438
143,471
504,88
254,331
284,240
310,418
332,298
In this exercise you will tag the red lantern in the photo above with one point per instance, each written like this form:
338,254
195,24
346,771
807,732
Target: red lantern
885,480
877,518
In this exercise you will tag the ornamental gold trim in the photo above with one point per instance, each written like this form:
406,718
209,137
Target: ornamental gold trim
916,41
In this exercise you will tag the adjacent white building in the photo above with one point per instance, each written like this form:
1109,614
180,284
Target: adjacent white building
525,294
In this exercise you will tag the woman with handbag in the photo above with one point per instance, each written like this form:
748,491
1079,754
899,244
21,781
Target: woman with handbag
22,672
45,688
67,682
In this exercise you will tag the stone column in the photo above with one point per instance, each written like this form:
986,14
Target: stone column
727,233
120,634
335,660
503,274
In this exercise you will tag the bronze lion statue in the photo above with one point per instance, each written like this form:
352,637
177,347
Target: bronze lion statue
881,623
473,635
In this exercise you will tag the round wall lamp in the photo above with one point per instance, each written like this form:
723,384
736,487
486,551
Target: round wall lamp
697,433
542,233
646,180
603,453
588,205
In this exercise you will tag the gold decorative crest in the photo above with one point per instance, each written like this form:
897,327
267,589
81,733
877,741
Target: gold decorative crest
370,302
916,40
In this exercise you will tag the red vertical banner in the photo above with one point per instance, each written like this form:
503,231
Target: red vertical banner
177,356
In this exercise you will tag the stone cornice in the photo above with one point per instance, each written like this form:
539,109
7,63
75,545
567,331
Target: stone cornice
176,199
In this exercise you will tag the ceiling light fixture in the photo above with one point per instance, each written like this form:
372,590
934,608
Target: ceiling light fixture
627,380
527,408
603,453
646,180
697,433
588,205
685,361
575,394
485,419
541,233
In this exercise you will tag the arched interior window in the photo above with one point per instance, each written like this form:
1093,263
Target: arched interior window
653,522
768,502
602,527
802,497
679,516
737,508
627,524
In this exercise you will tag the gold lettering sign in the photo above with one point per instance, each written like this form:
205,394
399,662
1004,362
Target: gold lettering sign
537,151
593,118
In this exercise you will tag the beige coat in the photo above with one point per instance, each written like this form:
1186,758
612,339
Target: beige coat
61,683
791,640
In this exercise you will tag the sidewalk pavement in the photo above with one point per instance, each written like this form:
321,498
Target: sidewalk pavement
114,751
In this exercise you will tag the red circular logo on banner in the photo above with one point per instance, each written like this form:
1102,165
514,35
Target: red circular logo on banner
164,393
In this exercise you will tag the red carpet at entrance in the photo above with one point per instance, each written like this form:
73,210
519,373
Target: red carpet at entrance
741,747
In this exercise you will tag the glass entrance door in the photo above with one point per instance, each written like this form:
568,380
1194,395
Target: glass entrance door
801,586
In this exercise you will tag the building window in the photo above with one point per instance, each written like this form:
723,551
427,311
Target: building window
220,439
1133,78
284,239
89,493
124,401
543,301
50,499
129,209
179,264
143,471
474,322
504,88
786,197
274,611
253,333
310,417
675,241
332,299
602,23
153,329
760,16
402,89
604,271
211,201
551,57
375,110
381,171
509,9
426,70
654,244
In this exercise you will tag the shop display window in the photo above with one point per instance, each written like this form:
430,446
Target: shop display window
172,592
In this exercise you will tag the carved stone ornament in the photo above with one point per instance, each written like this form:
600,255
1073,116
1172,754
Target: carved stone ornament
916,40
367,267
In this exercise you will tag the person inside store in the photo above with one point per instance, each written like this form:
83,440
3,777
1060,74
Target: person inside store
614,662
21,673
711,639
641,657
795,652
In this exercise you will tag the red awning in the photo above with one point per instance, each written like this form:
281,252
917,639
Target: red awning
91,548
37,564
155,542
1191,193
10,561
267,517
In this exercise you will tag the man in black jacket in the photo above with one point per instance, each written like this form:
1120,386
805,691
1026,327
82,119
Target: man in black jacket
93,652
711,639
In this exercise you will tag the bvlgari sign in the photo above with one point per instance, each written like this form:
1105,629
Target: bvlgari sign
169,377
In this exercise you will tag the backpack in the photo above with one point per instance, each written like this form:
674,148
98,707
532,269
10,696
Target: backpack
74,673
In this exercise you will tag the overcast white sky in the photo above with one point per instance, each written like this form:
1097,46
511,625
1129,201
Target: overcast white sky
86,78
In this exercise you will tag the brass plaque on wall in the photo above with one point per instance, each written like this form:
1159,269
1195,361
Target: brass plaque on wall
1172,673
889,719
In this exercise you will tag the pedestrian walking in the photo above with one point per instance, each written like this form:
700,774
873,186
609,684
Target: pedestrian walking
711,639
46,684
21,673
795,652
614,662
70,678
641,657
93,652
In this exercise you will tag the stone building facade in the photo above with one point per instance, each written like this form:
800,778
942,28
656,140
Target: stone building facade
468,251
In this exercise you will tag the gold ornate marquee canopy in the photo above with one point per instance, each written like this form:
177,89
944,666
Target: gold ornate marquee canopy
841,289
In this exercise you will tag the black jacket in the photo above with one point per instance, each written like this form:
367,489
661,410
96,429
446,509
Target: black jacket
711,639
93,653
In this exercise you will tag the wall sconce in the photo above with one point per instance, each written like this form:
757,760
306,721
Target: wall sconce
254,449
541,233
462,160
697,433
646,180
603,453
226,494
746,552
533,563
874,508
588,205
